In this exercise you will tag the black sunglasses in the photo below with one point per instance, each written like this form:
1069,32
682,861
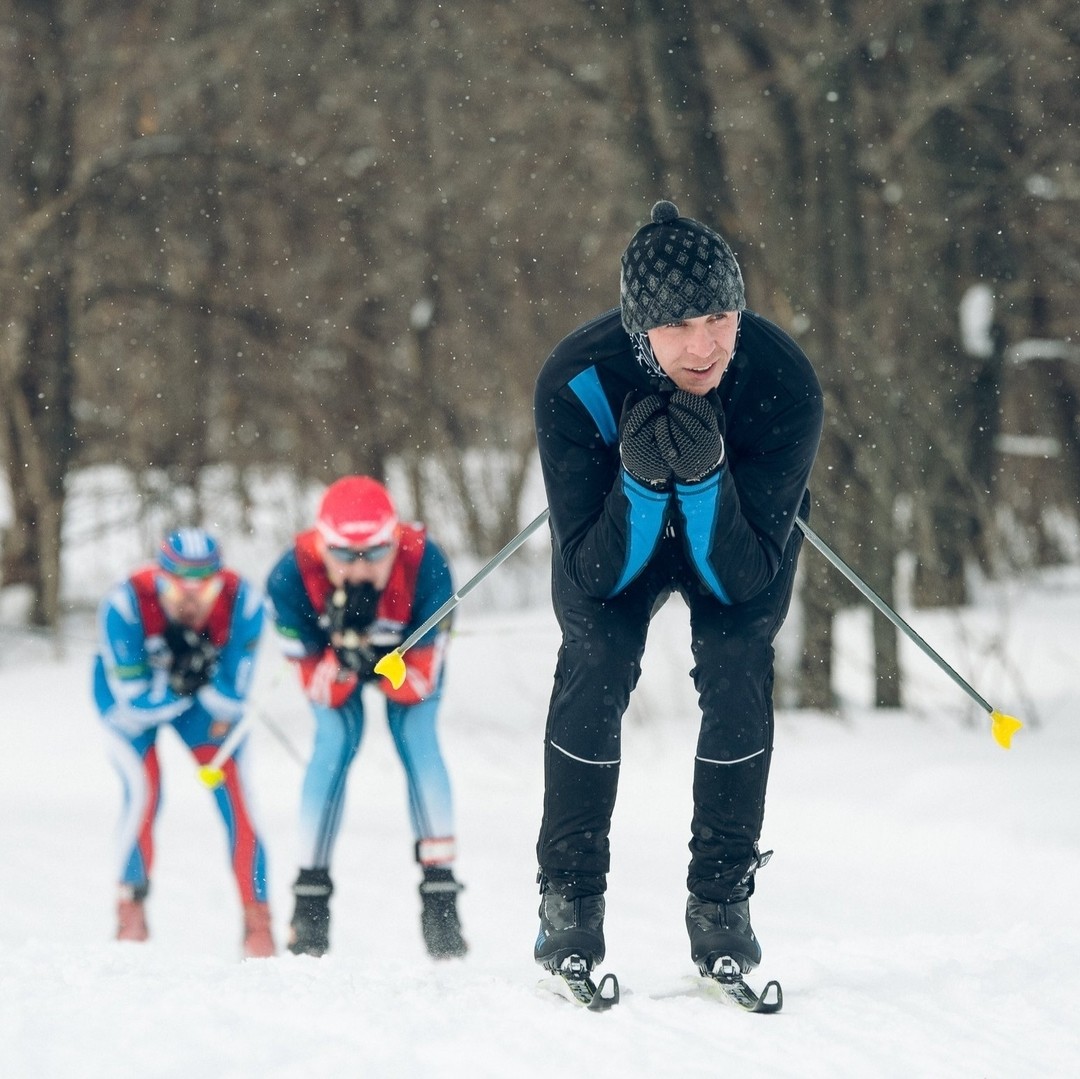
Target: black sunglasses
361,554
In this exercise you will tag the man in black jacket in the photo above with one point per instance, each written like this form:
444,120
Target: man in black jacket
676,435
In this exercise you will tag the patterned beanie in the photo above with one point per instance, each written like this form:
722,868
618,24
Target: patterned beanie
676,268
190,552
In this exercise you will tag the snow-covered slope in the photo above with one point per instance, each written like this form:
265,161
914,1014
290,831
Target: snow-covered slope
921,908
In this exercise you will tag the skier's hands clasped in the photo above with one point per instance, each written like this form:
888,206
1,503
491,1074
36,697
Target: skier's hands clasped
193,659
676,436
691,437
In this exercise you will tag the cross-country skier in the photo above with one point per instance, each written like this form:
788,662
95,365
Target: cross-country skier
177,644
676,435
347,593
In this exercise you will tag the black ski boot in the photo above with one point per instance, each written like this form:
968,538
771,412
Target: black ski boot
721,929
570,927
439,915
309,932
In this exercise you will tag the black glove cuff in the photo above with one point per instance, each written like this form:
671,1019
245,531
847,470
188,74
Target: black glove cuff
709,472
647,474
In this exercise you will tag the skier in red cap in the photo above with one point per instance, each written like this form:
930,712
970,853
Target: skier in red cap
348,592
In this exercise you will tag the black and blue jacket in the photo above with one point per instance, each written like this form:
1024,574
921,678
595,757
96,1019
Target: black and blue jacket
736,523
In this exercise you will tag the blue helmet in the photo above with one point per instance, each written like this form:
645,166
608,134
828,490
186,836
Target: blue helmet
191,553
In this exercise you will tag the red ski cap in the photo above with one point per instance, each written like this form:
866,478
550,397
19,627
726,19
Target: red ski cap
356,511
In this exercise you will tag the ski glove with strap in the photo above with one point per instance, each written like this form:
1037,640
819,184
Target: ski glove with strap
638,440
193,659
690,438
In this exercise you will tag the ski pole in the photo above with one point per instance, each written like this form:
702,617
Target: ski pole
1002,727
280,736
392,666
213,774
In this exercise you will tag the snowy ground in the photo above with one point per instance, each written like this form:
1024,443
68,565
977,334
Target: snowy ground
921,908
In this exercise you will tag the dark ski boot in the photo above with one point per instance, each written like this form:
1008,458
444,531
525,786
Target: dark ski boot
721,929
309,931
570,927
439,914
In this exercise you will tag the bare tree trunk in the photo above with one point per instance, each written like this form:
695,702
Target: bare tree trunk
818,598
37,366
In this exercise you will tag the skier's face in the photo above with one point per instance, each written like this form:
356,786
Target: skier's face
187,602
695,352
368,565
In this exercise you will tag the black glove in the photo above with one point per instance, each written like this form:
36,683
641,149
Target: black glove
193,662
356,654
352,606
691,437
638,448
350,612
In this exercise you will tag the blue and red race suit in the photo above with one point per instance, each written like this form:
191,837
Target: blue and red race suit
133,696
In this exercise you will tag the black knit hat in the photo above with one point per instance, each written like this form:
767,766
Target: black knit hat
676,268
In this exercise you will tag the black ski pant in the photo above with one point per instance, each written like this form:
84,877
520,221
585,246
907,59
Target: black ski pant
598,666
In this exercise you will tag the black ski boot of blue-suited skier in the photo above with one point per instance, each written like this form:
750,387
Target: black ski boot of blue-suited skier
721,929
570,927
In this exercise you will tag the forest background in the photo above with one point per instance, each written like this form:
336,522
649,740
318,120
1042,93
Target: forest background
309,239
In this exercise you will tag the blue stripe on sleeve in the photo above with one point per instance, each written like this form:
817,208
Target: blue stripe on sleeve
700,506
647,510
590,393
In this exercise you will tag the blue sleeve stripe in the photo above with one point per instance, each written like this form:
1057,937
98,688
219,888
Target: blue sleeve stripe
700,506
590,393
647,510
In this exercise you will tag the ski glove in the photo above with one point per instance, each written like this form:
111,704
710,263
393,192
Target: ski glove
325,681
356,653
352,606
193,660
350,612
691,437
638,446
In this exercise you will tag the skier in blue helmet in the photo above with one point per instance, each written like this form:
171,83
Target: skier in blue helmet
177,642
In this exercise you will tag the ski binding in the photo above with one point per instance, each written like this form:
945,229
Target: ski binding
727,976
597,997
